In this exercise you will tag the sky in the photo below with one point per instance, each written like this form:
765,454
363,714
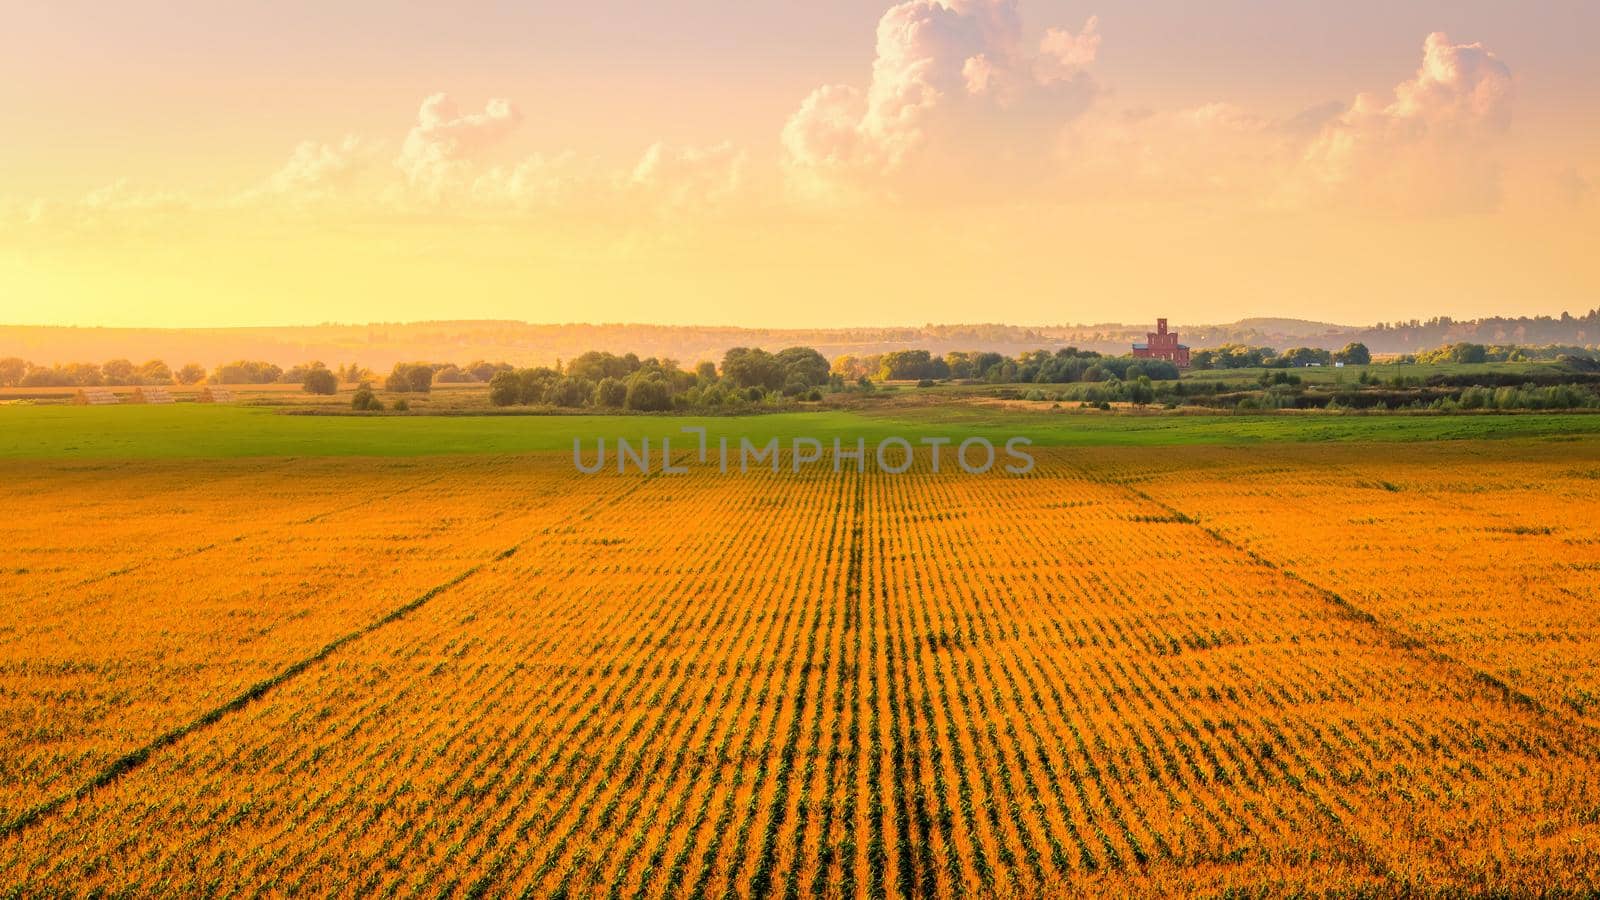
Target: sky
829,163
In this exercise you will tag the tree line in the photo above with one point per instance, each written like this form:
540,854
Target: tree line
598,379
1237,356
1062,366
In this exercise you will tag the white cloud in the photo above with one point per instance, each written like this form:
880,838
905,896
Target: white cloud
1429,144
939,66
681,177
1062,54
316,171
440,149
537,182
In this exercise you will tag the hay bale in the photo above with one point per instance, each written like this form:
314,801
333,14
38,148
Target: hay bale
95,397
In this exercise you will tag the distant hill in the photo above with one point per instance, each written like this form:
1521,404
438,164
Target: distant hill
379,345
1301,327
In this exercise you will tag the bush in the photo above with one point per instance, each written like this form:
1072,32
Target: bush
365,401
926,382
320,381
402,405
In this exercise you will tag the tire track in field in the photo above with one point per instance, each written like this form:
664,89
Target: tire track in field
1367,853
1579,732
133,759
192,552
1399,636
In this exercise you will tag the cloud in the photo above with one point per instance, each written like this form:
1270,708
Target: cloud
316,171
940,68
1428,146
444,143
537,182
1062,54
684,176
1216,149
118,205
1429,143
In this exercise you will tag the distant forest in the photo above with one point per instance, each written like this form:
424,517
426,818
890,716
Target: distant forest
381,345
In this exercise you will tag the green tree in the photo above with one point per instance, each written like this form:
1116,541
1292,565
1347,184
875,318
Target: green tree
569,392
118,371
804,366
1354,353
753,367
611,392
536,382
648,394
247,372
11,371
410,377
364,400
505,388
155,372
320,381
909,365
191,373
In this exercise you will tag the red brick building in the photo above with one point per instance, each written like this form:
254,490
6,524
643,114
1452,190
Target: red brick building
1163,344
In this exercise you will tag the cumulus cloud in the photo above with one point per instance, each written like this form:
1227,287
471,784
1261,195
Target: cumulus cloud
1429,142
316,171
939,66
444,143
684,176
1063,55
537,182
1428,145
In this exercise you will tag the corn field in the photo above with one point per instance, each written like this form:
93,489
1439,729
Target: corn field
1265,670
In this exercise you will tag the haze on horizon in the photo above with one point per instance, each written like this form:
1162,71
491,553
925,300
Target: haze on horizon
833,164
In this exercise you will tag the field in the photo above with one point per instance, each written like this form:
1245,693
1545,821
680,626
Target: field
248,653
186,431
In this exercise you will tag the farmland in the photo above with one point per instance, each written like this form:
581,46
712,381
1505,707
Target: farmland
187,431
1158,663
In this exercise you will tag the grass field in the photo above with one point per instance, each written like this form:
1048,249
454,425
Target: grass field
422,656
204,431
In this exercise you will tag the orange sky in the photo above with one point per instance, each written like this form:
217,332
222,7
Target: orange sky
832,163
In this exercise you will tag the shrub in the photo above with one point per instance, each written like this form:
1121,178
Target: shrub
402,405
